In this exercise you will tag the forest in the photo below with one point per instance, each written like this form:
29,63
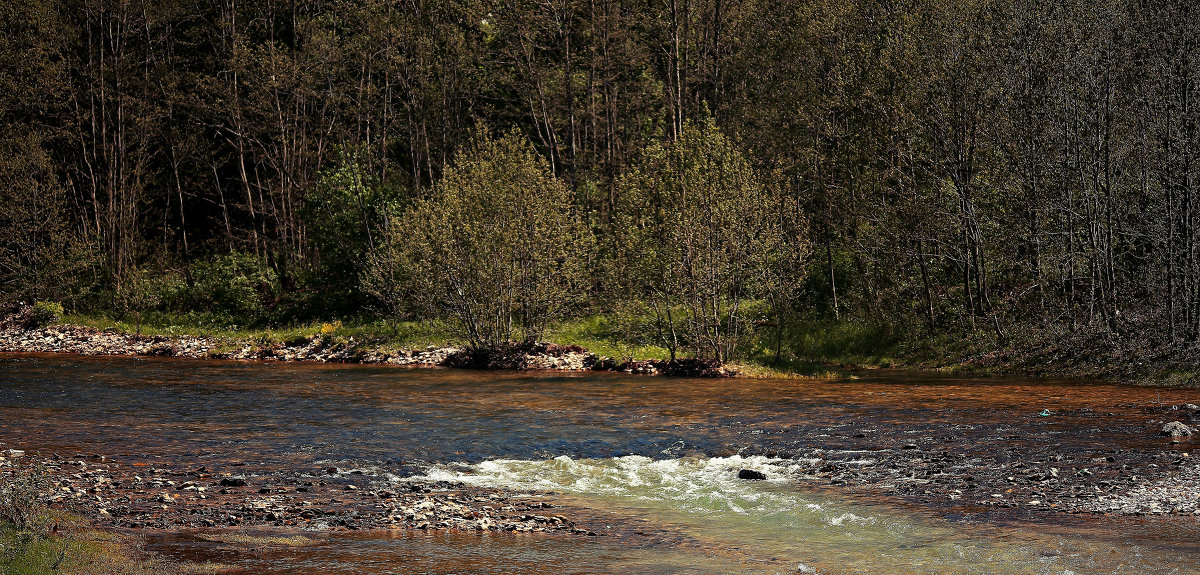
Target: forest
713,175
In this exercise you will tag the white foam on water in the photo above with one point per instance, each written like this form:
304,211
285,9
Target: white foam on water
704,485
703,498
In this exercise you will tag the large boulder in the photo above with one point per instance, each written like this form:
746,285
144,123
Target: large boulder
1176,429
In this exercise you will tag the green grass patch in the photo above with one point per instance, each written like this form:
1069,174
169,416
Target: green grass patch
26,553
607,336
816,347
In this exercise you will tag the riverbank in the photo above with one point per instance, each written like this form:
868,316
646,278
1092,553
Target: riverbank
810,349
99,510
330,348
78,547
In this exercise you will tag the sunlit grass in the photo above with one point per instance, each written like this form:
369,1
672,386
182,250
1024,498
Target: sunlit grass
79,549
599,335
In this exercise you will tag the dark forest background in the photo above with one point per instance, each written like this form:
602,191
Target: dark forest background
1016,171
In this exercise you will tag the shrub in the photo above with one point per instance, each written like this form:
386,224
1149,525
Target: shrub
343,215
240,284
23,488
45,313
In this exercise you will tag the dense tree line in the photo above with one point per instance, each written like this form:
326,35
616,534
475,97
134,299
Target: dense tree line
992,167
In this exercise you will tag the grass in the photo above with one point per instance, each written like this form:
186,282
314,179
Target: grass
814,347
811,348
77,548
36,539
602,335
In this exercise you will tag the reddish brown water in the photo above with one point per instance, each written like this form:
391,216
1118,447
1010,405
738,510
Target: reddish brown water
657,453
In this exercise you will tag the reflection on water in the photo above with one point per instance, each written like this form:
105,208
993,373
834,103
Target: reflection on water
442,553
657,452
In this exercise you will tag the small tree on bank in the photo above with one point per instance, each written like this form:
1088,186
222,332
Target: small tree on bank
497,247
698,236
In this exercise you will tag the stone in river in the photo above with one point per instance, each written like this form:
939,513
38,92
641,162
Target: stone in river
1176,429
233,482
751,475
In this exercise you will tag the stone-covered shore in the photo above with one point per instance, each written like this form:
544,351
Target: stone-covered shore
137,495
82,340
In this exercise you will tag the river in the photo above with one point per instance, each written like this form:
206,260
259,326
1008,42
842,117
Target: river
650,464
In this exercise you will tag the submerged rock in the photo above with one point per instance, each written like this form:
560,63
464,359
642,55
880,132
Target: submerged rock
1176,429
751,475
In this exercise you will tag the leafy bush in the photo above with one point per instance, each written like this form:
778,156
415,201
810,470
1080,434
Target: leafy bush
45,313
42,255
343,216
221,292
241,284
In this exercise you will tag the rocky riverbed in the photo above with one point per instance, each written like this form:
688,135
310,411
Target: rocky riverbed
951,470
979,469
342,453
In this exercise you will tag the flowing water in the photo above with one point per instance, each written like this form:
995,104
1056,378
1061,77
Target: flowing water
652,461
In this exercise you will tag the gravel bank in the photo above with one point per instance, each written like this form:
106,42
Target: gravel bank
63,338
139,496
1014,470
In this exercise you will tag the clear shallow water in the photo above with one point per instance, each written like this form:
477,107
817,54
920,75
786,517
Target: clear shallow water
652,455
